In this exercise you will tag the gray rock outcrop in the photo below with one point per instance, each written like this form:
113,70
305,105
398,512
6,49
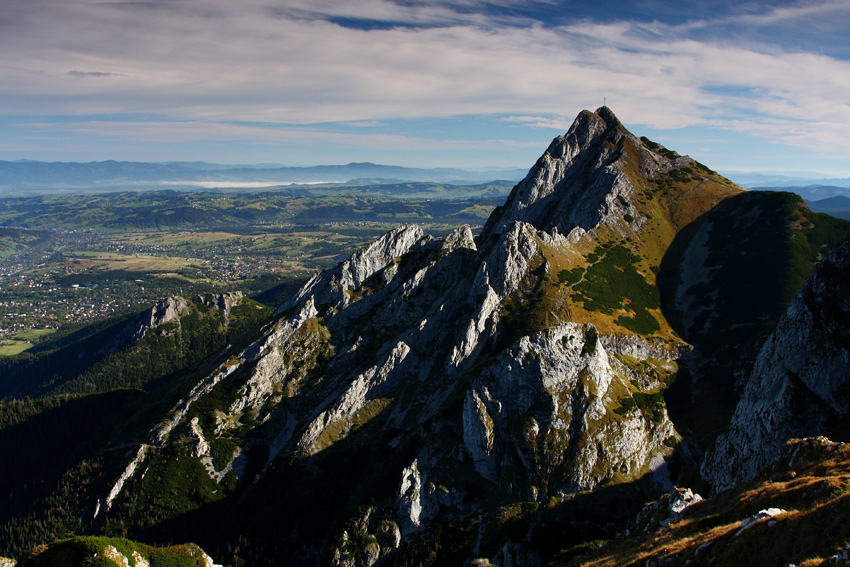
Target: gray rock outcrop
163,312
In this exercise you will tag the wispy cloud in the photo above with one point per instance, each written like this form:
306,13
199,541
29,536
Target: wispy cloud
181,132
91,74
212,62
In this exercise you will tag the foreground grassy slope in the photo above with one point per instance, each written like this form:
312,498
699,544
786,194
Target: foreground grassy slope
112,552
810,484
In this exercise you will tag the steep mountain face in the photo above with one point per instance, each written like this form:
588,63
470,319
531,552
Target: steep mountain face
475,365
800,384
460,398
90,395
725,281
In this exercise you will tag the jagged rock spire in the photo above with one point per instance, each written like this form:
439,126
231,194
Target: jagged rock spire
570,184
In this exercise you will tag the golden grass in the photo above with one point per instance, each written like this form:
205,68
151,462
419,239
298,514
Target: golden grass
666,205
815,495
337,430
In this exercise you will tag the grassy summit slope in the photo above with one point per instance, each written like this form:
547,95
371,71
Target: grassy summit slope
626,274
607,275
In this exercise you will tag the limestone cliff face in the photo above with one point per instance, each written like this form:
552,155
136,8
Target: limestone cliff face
575,185
458,351
801,379
163,312
541,415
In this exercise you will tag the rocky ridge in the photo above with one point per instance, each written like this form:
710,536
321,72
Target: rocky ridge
528,363
170,309
545,406
792,513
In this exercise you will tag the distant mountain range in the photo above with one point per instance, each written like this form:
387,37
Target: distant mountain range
26,177
838,206
768,179
810,186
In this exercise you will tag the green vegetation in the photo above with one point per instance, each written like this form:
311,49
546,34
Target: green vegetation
651,404
14,412
15,242
175,483
443,544
12,347
642,322
53,488
769,240
591,337
613,283
571,277
91,551
658,148
108,359
169,211
649,143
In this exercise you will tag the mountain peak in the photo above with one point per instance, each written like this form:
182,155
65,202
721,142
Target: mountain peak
600,174
608,116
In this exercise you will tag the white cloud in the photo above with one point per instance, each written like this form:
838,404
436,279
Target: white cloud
202,62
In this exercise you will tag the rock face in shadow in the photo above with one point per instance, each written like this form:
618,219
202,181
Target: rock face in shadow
800,384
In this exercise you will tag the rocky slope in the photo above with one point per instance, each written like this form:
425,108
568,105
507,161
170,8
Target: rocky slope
801,380
445,400
484,360
792,514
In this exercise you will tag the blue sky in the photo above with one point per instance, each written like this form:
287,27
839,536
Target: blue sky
469,83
